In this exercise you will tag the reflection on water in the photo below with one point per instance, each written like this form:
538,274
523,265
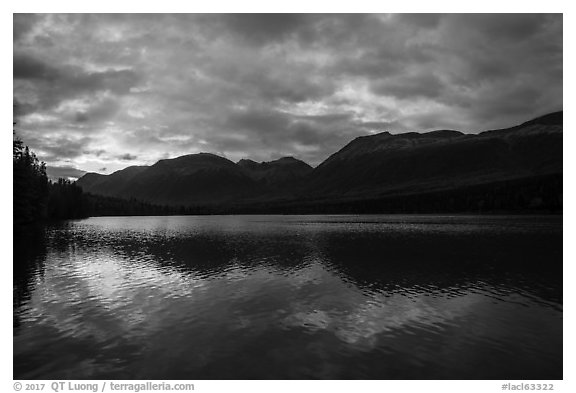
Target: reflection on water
253,297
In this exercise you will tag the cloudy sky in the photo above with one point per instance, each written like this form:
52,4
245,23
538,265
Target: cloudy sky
101,92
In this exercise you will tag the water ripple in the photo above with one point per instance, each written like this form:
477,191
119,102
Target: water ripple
296,297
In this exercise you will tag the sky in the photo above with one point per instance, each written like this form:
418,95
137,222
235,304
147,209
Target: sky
100,92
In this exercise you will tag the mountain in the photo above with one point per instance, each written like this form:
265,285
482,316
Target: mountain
202,178
385,164
111,185
279,173
445,170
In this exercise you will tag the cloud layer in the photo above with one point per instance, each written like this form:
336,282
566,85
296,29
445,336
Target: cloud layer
108,91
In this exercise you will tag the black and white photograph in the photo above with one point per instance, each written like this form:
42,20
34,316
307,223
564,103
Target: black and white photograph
287,196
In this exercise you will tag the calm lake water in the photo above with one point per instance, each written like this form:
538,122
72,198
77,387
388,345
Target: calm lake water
290,297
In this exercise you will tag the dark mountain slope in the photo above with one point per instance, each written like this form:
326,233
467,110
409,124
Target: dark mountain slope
382,164
202,178
90,181
278,173
111,185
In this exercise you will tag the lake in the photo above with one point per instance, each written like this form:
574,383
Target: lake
290,297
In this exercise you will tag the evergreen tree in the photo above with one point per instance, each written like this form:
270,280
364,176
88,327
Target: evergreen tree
30,185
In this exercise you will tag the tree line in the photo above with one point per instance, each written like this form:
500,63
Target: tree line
38,199
30,185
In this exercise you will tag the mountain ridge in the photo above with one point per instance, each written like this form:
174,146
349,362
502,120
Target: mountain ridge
368,167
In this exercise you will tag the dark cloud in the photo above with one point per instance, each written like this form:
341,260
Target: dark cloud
127,157
425,85
291,88
57,148
23,24
96,153
370,64
262,28
54,84
21,109
329,118
511,27
73,77
97,90
426,21
308,134
259,121
27,67
97,112
511,104
75,81
273,126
